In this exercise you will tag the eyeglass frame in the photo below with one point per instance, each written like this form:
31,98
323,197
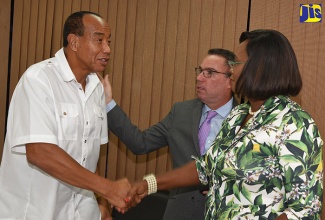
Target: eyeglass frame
209,71
233,64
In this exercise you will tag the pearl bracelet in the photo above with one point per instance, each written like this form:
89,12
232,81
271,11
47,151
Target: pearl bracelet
152,183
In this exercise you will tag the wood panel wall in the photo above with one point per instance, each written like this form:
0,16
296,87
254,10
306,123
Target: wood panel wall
155,46
4,60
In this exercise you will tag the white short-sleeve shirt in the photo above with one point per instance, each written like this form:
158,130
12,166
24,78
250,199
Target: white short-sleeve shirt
50,106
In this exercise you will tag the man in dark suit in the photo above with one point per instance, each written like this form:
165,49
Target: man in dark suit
179,129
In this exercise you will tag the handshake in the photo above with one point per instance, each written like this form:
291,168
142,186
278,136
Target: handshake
123,196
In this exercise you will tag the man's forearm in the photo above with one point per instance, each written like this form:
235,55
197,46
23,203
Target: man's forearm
57,163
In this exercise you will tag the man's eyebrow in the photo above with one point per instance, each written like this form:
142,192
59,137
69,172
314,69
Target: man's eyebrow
98,34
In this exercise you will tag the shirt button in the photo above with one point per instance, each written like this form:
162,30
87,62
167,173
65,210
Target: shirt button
85,141
87,123
80,88
64,113
84,159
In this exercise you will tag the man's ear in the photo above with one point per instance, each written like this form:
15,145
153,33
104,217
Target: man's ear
73,41
229,82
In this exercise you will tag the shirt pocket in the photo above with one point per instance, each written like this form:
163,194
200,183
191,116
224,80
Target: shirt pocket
99,117
69,120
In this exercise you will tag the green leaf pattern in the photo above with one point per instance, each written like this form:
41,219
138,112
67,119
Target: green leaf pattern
272,165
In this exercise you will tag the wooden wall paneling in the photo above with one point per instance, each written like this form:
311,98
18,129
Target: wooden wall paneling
67,10
124,71
58,21
103,9
147,164
49,21
192,57
168,60
76,5
136,87
240,23
182,43
40,31
219,23
319,99
162,158
94,6
232,14
206,21
5,12
25,36
85,5
309,67
272,14
32,33
178,66
131,75
169,56
15,66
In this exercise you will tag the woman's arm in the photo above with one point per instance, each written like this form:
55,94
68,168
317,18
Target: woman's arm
181,177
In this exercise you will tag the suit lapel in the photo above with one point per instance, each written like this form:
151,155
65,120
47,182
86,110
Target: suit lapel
197,113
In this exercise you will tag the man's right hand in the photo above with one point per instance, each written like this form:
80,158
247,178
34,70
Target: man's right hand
116,194
138,191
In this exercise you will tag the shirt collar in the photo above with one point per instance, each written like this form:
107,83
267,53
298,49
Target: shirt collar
67,74
66,71
222,111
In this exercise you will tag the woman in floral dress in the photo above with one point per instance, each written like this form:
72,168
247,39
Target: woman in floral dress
267,158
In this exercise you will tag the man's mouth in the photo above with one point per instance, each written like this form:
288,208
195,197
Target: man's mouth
104,61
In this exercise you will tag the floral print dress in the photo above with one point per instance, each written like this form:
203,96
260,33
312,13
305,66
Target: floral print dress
273,165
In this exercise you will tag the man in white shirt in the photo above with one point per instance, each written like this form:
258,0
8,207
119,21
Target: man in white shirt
56,124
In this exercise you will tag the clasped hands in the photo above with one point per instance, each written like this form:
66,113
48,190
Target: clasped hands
131,196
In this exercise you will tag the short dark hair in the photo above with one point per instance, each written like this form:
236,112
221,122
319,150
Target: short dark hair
228,55
271,68
74,25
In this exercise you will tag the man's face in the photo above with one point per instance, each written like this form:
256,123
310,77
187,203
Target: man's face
94,46
216,90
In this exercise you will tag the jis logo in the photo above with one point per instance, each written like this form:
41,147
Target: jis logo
310,13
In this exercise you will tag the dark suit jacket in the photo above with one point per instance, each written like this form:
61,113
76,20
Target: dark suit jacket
179,131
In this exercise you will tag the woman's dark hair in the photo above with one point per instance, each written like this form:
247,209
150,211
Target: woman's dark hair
271,68
74,25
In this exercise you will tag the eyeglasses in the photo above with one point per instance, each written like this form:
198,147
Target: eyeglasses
207,73
233,64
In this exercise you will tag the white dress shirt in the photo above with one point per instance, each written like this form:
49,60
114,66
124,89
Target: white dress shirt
216,122
50,106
